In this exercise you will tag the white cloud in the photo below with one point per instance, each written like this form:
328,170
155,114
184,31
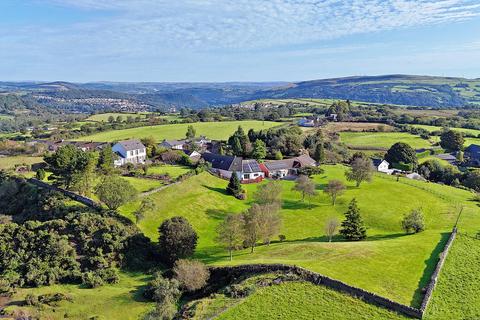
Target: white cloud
234,24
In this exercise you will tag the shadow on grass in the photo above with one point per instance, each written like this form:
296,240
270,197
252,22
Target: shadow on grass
386,236
219,190
216,214
298,205
430,265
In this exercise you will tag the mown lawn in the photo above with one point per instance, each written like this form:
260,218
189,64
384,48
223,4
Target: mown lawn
123,300
172,170
389,263
300,300
457,295
213,130
382,139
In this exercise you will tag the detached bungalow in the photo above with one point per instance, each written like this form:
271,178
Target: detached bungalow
129,151
173,144
248,171
279,169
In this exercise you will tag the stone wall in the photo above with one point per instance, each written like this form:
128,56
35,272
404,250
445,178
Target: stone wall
221,276
436,273
72,195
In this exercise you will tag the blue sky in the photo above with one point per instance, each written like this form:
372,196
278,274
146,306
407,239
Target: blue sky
236,40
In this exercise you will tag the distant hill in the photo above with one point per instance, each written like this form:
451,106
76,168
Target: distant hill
394,89
437,92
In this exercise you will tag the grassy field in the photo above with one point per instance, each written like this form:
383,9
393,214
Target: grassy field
434,128
390,263
103,117
457,295
143,185
382,139
356,126
123,300
299,300
10,162
172,170
213,130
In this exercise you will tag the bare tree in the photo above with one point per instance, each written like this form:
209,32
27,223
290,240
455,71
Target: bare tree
361,170
334,189
304,185
262,222
230,233
269,193
331,228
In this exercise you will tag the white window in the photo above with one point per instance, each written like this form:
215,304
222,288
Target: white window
246,176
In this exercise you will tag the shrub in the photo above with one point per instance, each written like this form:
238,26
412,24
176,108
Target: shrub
237,291
282,237
413,222
92,280
191,274
31,299
177,239
40,175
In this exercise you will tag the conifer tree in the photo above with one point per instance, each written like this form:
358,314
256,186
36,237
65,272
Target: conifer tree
352,227
234,187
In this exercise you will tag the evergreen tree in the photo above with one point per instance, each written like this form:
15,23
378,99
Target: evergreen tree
352,227
191,132
234,187
319,154
259,150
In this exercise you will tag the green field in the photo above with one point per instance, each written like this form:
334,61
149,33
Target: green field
299,300
457,294
10,162
434,128
213,130
390,263
103,117
172,170
123,300
143,185
382,140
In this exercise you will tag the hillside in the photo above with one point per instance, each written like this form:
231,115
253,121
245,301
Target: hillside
390,89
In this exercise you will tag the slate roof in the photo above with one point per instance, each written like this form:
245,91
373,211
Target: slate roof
131,144
377,162
297,162
173,142
222,162
473,150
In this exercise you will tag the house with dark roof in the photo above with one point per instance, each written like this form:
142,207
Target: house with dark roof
129,151
279,169
472,155
382,165
248,170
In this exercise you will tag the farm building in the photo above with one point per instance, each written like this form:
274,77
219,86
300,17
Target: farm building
287,167
472,155
382,166
129,151
248,170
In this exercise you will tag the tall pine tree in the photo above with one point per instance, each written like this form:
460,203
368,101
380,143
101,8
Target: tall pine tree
234,187
352,227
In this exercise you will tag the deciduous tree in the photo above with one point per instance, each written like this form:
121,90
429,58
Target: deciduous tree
177,240
452,140
361,170
334,189
331,227
413,222
305,186
115,192
230,233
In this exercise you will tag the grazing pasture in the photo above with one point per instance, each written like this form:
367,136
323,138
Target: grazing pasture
123,300
435,128
457,294
300,300
357,126
213,130
389,263
11,162
383,140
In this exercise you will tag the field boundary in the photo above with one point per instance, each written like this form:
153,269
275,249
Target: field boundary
217,274
72,195
434,278
222,275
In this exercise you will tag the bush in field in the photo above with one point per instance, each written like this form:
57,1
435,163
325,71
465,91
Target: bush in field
413,222
191,274
177,240
115,192
40,174
165,293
